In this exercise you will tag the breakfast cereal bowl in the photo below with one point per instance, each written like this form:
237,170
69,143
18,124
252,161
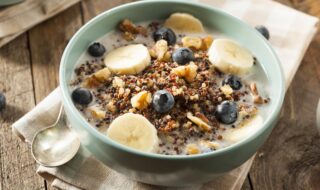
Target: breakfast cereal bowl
189,163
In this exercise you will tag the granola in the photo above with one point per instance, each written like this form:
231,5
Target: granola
191,126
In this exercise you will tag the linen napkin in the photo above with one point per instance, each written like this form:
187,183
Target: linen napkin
85,172
16,19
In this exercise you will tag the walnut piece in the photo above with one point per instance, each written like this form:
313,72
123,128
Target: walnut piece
118,82
257,99
199,122
206,42
159,51
111,107
226,90
130,30
188,72
97,78
97,113
192,42
141,100
210,144
192,149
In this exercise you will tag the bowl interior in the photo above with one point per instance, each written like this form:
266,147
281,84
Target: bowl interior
161,9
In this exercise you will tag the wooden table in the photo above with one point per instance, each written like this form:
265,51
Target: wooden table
29,65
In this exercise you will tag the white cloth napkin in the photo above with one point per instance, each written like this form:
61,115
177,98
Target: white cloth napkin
291,33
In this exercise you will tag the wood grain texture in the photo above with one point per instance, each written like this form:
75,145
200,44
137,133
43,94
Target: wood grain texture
47,42
16,163
92,8
290,159
246,185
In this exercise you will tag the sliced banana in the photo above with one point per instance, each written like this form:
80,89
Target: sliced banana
130,59
245,130
184,22
134,131
230,57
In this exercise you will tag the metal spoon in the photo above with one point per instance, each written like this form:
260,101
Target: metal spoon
56,144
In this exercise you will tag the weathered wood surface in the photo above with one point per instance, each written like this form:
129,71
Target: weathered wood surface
16,163
29,71
290,159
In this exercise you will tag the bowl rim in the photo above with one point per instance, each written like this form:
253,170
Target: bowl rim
70,107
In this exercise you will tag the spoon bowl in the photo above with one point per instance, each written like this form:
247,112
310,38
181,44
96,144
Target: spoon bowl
56,144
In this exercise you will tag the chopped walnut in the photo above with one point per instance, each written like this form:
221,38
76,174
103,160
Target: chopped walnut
130,30
128,36
257,99
246,110
202,117
192,149
159,50
226,90
97,113
187,125
210,144
253,88
206,42
111,107
170,126
194,97
188,72
127,92
177,91
141,100
127,26
121,92
118,82
192,42
97,78
199,122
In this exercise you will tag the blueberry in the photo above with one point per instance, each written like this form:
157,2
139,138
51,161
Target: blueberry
166,34
183,56
96,49
233,81
81,96
264,31
2,101
227,112
162,101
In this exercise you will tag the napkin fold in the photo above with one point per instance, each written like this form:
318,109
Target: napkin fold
85,172
16,19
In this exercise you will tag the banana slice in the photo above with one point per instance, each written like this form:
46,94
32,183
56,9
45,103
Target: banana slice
131,59
184,22
230,57
135,131
244,131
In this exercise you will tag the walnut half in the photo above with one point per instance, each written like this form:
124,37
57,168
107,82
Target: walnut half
188,72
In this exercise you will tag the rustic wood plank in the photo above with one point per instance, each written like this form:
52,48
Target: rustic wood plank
17,167
47,42
246,185
290,157
92,8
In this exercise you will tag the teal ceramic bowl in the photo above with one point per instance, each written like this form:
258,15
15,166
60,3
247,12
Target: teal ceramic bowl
9,2
162,169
